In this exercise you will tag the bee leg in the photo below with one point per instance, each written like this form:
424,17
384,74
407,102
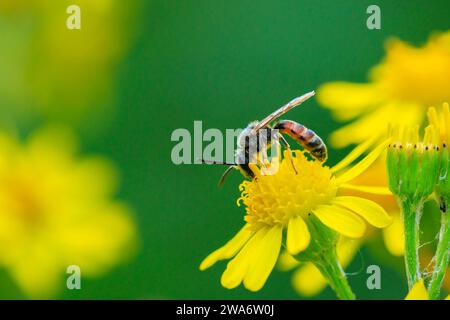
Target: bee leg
285,144
261,159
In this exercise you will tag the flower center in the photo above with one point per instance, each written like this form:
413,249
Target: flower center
274,199
420,75
23,200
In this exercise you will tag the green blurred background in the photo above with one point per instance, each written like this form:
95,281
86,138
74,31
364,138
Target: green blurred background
225,63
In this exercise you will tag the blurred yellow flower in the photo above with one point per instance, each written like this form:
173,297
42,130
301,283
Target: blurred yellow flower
51,70
419,292
285,200
400,89
56,210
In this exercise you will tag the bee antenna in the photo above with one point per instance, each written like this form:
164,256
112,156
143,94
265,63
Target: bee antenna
216,162
224,175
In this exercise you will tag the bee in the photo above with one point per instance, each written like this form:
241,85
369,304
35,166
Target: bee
250,142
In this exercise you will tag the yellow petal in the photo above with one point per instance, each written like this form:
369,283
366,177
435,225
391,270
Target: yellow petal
348,99
298,236
433,118
237,268
308,281
228,250
264,259
361,166
369,210
393,236
367,189
362,129
97,239
354,154
211,259
342,220
418,292
42,280
373,124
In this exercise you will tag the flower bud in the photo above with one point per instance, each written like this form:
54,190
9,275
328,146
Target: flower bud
413,165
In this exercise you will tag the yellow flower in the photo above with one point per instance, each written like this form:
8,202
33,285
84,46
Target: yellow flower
400,89
286,200
307,280
419,292
57,210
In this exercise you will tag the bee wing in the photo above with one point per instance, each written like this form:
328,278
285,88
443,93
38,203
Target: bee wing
288,106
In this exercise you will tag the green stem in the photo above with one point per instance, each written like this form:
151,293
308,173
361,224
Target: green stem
411,212
322,253
331,269
441,257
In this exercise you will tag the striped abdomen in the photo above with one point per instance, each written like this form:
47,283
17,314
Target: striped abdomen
309,140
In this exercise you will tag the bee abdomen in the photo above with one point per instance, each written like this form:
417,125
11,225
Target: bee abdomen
305,137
